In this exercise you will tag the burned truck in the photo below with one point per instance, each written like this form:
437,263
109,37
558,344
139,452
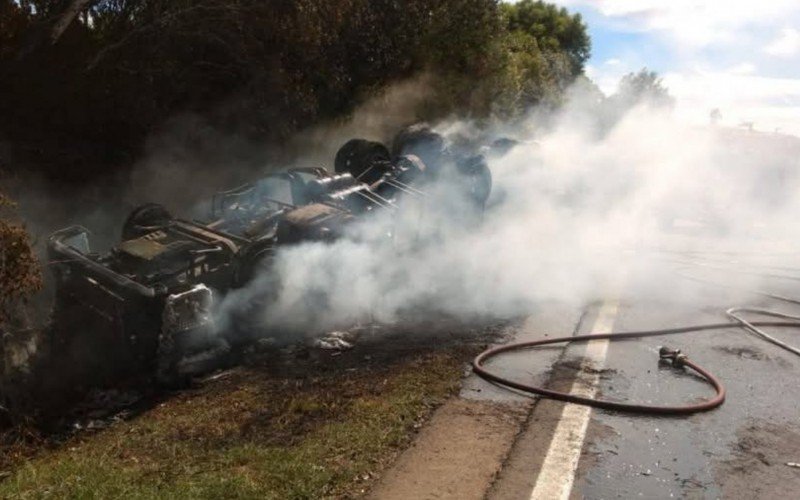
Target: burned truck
150,297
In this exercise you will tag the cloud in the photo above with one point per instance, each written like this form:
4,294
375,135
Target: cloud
737,56
739,91
744,68
695,23
771,103
787,44
732,55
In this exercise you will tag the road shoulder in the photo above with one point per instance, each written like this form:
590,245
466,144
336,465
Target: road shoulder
457,453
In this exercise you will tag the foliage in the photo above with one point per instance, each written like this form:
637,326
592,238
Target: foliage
541,51
82,104
553,29
19,270
644,87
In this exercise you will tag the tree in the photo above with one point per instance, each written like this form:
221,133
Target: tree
553,28
540,50
112,72
644,87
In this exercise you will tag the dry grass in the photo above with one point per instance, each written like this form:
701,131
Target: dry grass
252,435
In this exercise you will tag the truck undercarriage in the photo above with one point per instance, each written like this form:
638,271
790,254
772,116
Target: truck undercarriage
150,297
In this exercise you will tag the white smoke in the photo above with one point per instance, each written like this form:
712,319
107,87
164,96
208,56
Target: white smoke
571,210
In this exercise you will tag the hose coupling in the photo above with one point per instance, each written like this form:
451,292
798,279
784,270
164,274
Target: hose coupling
675,355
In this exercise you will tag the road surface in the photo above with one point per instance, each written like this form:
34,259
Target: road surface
526,448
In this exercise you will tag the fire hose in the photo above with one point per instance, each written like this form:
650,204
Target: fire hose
676,357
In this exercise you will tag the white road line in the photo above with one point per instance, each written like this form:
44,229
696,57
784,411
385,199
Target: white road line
558,470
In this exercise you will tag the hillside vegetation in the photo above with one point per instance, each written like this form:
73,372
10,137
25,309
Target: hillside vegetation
83,83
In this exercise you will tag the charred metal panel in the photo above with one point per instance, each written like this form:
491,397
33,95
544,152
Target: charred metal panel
150,297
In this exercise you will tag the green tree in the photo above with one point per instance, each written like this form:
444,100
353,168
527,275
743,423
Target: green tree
82,104
553,28
542,49
643,87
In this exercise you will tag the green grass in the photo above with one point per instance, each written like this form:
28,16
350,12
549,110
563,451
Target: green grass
251,436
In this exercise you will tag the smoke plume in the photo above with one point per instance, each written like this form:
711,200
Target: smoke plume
574,207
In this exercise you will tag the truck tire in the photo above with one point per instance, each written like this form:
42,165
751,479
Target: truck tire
358,155
478,177
251,261
420,140
145,219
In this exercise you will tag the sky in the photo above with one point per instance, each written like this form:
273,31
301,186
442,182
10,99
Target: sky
742,57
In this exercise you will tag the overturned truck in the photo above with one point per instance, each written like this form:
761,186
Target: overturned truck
150,296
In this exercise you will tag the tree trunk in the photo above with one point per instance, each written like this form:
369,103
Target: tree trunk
66,17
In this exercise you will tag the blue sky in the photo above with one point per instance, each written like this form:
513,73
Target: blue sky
742,57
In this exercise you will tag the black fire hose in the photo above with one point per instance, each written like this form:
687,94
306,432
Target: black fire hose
676,357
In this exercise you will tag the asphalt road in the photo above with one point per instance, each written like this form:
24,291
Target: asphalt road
740,450
723,453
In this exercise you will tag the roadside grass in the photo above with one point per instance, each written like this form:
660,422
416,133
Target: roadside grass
252,435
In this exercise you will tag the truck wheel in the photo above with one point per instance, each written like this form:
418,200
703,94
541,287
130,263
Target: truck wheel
420,140
251,261
144,220
358,155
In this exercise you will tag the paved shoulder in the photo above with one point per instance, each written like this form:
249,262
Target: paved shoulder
466,444
457,454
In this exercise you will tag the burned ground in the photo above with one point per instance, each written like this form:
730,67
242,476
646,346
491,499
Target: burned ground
291,422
